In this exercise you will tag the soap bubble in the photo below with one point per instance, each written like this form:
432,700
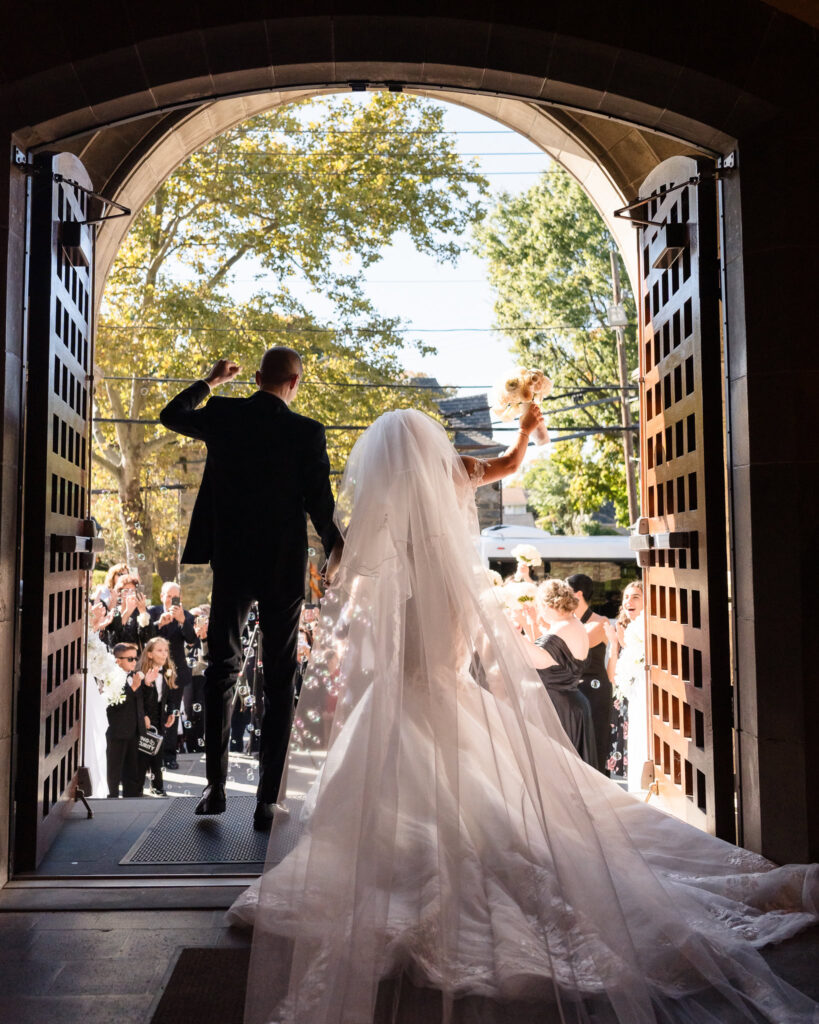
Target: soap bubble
197,708
595,684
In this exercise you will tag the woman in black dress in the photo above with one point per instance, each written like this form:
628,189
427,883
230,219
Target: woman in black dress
595,685
563,651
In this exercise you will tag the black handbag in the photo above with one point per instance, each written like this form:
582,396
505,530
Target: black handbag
150,743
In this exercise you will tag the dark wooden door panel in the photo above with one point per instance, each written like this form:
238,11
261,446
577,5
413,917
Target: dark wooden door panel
683,480
55,504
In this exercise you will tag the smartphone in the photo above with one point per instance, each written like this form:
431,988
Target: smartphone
176,600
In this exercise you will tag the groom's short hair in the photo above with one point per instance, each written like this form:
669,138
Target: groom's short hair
279,364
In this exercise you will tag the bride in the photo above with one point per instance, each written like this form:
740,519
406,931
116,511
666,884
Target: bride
456,860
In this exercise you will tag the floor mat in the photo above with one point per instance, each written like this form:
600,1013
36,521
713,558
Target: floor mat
207,984
178,836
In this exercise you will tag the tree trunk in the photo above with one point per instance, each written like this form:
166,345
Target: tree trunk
136,522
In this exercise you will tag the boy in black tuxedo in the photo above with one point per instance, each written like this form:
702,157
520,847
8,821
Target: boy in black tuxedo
126,721
257,449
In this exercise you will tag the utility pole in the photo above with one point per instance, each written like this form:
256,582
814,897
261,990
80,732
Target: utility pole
625,412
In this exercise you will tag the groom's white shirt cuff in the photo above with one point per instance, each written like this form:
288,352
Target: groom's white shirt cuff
205,382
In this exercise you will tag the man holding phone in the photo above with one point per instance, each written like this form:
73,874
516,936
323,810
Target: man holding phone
176,625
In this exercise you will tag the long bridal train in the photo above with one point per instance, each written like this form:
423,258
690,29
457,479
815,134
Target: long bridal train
453,841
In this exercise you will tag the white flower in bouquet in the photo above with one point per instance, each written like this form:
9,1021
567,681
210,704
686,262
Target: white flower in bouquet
631,663
112,686
102,666
517,594
528,554
515,391
494,578
99,658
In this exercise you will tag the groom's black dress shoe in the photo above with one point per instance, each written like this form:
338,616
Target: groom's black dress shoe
213,800
263,816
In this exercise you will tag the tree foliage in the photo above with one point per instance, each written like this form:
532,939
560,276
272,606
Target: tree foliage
308,196
548,253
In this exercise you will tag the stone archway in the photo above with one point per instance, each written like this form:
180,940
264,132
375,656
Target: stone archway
606,182
737,74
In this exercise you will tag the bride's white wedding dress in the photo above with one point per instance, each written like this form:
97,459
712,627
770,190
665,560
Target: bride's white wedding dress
453,840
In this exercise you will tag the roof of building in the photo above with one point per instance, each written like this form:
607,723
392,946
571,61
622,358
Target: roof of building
514,496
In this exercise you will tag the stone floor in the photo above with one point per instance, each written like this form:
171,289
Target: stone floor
97,967
111,967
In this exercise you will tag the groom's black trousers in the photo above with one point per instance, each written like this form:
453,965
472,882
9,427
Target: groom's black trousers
230,607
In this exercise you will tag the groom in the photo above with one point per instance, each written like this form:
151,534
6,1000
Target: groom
266,467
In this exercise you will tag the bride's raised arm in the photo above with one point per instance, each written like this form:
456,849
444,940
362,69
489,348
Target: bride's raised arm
512,459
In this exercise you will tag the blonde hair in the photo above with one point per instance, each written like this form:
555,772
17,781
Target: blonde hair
114,572
622,615
168,669
557,594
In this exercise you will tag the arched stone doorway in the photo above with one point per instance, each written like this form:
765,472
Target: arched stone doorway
689,79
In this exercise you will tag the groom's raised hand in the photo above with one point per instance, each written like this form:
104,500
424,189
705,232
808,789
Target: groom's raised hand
223,370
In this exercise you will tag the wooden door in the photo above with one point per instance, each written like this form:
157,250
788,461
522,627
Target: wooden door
56,531
684,498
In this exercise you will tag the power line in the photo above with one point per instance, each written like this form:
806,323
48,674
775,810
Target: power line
290,154
339,427
564,393
287,329
400,132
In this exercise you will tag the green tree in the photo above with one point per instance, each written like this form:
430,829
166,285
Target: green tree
548,253
308,196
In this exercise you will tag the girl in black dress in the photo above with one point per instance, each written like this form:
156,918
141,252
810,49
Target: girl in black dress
161,699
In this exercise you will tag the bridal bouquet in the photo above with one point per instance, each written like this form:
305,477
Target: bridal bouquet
516,391
102,665
528,554
517,595
631,664
494,577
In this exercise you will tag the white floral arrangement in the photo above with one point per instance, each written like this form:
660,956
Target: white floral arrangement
528,554
102,665
631,663
516,594
513,394
494,577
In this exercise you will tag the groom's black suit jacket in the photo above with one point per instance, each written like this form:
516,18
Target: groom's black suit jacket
266,467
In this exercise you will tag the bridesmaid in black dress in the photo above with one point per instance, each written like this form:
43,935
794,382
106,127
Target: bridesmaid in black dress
595,684
562,652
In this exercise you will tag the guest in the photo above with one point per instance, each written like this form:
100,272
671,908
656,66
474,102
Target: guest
560,665
129,619
126,722
595,685
629,739
161,698
105,590
175,625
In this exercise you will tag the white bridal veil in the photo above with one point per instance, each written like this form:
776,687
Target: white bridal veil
457,860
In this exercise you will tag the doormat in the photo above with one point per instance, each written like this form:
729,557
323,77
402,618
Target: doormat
207,984
178,836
